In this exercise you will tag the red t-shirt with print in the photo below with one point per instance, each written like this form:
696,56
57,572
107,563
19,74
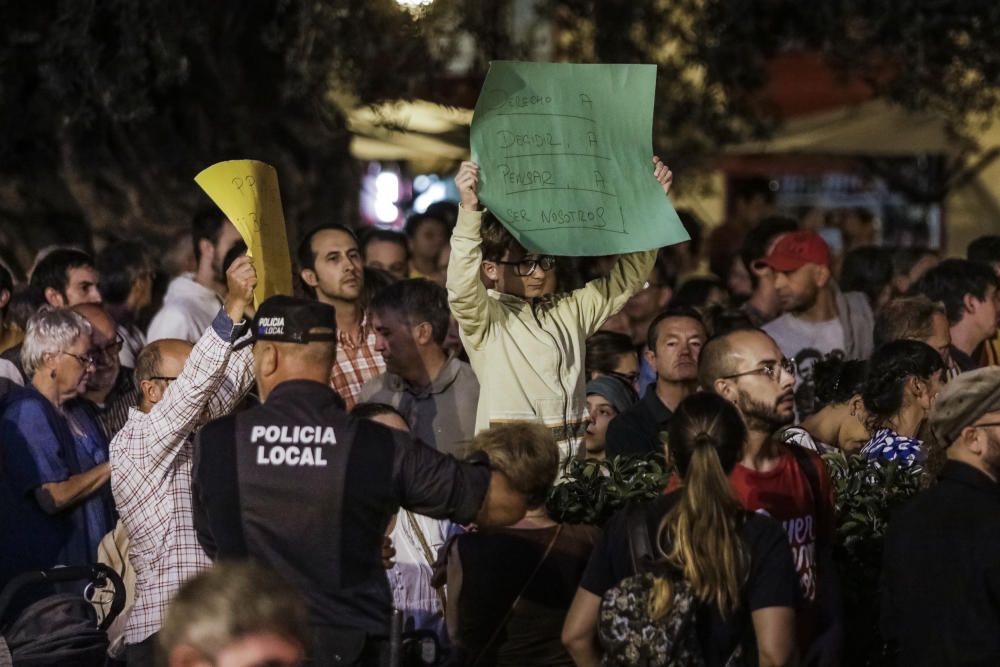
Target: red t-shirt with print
785,493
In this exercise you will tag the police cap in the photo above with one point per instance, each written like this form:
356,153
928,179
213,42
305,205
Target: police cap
288,319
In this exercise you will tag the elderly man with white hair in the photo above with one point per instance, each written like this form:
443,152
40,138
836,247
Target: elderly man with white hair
54,494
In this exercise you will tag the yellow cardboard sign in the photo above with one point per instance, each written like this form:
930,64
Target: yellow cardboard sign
247,192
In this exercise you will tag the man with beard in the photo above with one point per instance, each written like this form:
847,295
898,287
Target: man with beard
941,573
193,299
788,483
330,265
819,320
674,342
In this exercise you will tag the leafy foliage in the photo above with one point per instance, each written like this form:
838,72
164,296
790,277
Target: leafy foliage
867,494
592,490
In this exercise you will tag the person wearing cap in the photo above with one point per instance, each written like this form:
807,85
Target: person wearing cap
941,568
819,319
181,387
302,486
674,343
607,397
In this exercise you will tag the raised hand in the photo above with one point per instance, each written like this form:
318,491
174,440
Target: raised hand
663,175
467,181
241,278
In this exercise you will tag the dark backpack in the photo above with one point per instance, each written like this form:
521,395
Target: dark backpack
629,635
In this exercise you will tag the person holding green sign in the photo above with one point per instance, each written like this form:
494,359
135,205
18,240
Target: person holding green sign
525,342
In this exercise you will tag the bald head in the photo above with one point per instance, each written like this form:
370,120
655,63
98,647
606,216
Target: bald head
728,354
98,318
157,365
276,362
104,347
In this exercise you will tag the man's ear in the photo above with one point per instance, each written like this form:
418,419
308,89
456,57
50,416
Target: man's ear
423,333
54,297
206,249
267,355
152,392
650,357
490,269
822,275
725,389
4,298
309,277
970,303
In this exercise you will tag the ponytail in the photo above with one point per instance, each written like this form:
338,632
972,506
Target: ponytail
699,536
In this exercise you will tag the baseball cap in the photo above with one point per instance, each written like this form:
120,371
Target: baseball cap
796,249
288,319
963,400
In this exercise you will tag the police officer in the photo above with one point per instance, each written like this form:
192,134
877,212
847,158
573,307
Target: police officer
302,486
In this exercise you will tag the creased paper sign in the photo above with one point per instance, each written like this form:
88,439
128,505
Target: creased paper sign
565,158
247,192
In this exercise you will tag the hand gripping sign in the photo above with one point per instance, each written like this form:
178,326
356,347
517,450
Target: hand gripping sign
564,154
247,192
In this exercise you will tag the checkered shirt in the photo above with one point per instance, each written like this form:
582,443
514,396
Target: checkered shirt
151,461
355,364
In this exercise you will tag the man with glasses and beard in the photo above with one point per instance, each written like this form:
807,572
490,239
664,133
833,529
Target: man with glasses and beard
941,572
788,483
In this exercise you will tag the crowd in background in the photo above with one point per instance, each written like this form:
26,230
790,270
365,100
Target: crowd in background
742,356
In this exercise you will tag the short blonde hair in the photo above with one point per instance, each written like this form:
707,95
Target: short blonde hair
229,601
526,453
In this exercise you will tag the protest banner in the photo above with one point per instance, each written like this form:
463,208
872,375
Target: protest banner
247,192
565,158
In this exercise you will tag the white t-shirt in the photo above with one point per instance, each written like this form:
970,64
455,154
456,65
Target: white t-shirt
806,343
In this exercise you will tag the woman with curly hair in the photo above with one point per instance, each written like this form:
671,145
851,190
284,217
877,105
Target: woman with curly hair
904,378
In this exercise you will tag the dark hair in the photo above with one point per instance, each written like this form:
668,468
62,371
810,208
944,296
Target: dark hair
238,250
868,270
119,265
671,311
757,240
693,226
909,318
700,534
985,249
749,187
53,270
417,220
496,240
376,280
604,349
837,380
418,300
24,301
6,283
722,319
206,224
694,292
374,234
888,371
904,259
951,280
371,410
445,211
305,255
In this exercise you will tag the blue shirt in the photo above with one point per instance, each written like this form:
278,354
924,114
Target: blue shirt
888,445
38,447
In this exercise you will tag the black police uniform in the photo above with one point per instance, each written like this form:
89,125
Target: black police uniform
300,485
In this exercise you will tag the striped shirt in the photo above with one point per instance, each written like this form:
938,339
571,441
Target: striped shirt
356,363
151,460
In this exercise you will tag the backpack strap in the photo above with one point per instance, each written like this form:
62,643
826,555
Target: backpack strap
639,546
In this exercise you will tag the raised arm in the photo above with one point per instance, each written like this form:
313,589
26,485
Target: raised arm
601,298
466,293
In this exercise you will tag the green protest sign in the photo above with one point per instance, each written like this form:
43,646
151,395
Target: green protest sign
565,158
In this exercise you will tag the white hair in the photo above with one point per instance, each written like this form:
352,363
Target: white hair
50,331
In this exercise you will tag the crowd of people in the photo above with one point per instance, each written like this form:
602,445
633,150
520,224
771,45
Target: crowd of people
307,480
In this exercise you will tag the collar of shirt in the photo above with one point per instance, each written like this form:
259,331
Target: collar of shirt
660,412
445,378
355,339
968,475
962,360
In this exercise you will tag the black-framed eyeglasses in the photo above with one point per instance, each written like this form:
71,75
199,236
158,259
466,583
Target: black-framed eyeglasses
166,378
85,360
771,370
525,267
111,349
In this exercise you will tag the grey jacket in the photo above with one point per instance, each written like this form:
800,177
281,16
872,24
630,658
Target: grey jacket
443,415
855,315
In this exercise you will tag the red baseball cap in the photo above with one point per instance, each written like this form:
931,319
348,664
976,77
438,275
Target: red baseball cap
796,249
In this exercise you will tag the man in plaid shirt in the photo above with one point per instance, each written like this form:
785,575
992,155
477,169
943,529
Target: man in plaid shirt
331,265
182,388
